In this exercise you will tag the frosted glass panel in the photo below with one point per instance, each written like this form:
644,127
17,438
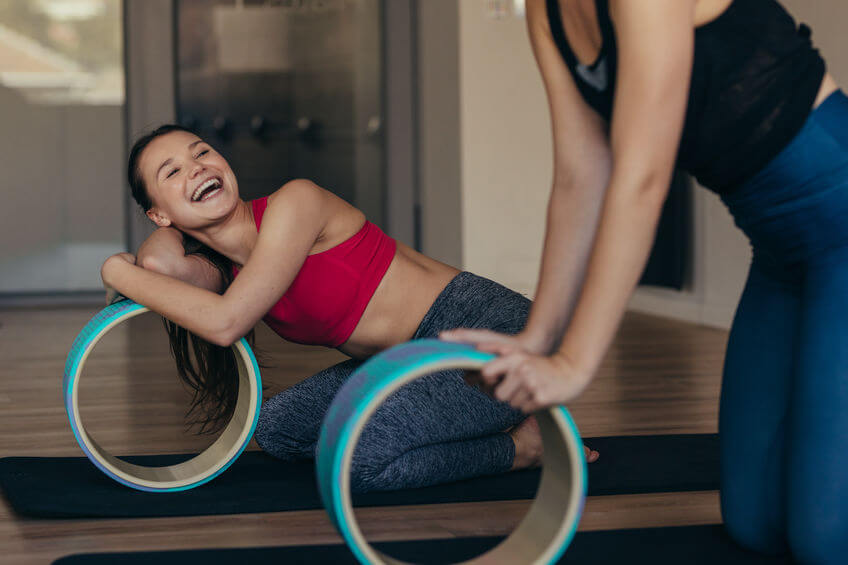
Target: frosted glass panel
61,143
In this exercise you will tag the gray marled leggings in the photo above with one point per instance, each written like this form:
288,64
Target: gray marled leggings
434,430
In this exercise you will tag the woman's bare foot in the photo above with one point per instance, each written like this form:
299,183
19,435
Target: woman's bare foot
528,445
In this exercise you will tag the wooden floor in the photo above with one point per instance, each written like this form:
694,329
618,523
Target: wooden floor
659,377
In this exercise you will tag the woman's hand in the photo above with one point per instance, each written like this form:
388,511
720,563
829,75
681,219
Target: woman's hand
492,342
495,342
521,374
530,382
522,353
108,268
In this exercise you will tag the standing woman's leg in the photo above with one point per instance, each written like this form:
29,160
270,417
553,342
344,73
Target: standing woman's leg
794,209
759,367
818,418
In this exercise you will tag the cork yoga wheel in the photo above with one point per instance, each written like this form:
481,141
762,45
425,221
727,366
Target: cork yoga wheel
199,469
550,524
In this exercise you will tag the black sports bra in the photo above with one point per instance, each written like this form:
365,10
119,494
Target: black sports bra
755,77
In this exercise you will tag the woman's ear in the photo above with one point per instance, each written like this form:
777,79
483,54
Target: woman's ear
158,219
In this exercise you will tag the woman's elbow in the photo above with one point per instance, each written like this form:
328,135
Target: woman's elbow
221,339
646,190
157,264
225,334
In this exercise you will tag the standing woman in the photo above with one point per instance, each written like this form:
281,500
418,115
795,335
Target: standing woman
733,92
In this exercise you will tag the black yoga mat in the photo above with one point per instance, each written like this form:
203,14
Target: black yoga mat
72,487
692,545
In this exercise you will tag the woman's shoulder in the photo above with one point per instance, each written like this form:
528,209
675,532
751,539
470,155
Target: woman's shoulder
298,202
537,16
300,195
295,190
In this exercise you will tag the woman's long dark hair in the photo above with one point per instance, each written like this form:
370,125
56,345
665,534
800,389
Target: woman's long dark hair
209,370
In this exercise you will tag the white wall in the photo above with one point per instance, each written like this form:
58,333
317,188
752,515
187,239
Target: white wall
438,135
63,190
505,148
506,162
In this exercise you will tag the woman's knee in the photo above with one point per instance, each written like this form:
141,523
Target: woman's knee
369,468
280,434
749,527
816,536
366,480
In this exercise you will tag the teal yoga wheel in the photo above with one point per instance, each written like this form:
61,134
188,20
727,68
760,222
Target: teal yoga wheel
199,469
550,524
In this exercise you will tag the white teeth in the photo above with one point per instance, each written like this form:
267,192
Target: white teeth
199,190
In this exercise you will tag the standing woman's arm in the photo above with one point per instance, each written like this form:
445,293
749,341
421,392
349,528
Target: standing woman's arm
655,45
582,162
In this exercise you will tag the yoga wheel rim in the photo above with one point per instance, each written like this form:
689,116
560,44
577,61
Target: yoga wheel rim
551,522
194,472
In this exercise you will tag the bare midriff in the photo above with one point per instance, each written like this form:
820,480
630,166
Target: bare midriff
408,289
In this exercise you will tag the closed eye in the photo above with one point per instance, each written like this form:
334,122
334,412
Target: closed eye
172,173
202,153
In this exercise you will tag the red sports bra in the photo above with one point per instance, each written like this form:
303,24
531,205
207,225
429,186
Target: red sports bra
328,296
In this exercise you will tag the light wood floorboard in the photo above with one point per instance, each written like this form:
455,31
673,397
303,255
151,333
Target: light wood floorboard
659,377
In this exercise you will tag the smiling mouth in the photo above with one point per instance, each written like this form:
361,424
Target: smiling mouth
206,190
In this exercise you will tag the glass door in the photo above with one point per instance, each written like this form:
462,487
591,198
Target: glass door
61,143
287,89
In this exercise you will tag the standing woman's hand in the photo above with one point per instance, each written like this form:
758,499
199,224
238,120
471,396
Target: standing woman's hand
530,382
492,342
522,374
483,339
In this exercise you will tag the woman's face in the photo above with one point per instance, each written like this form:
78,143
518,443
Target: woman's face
190,184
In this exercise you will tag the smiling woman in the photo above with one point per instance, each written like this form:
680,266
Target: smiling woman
311,266
209,189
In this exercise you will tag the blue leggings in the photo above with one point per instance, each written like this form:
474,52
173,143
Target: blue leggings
435,429
784,401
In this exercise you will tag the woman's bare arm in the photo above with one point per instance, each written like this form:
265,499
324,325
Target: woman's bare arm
655,44
582,162
164,252
293,221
